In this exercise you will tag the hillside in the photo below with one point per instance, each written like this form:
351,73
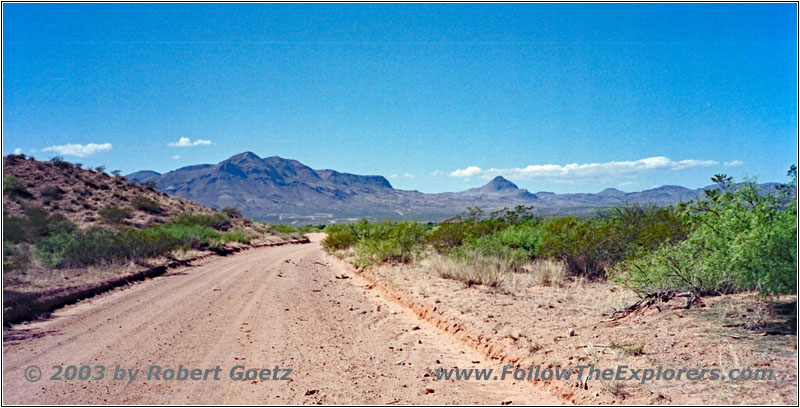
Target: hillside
80,194
283,190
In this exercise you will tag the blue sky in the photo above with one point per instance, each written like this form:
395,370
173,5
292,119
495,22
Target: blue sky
438,97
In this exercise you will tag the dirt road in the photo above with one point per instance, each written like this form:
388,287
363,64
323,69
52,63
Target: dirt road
286,306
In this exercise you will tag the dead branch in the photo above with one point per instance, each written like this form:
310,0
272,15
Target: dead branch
650,299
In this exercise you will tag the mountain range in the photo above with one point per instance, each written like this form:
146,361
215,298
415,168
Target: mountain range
283,190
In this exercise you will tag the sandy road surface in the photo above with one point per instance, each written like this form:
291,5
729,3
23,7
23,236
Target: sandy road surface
287,306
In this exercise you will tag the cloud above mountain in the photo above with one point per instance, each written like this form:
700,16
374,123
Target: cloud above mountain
186,142
78,150
576,172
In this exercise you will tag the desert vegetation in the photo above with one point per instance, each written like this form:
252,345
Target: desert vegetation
57,242
709,282
737,238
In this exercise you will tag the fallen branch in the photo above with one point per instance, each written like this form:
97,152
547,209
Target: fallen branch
652,298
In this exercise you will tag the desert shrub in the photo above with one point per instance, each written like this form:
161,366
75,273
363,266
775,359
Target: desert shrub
59,162
147,205
98,245
9,249
588,246
100,169
312,228
739,239
14,229
115,215
338,240
52,192
232,212
576,242
13,257
282,229
458,230
236,236
517,243
389,241
185,236
13,187
219,222
379,242
76,249
491,246
149,184
36,224
12,159
632,229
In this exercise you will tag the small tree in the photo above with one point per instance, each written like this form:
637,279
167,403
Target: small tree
232,212
150,184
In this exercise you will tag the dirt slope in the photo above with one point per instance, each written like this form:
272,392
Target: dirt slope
84,192
271,306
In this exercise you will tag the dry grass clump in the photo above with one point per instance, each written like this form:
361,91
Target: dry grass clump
546,272
473,269
478,269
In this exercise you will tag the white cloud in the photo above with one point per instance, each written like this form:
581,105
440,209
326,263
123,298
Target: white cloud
79,150
575,172
393,176
408,175
467,172
186,142
735,163
18,151
176,157
628,184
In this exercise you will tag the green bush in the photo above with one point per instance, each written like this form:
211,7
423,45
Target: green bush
237,236
458,230
115,215
13,257
390,241
379,242
739,239
338,240
219,222
13,187
147,205
36,224
282,229
517,243
589,246
98,245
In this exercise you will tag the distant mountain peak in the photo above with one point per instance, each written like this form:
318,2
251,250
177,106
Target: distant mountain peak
244,156
611,192
498,183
